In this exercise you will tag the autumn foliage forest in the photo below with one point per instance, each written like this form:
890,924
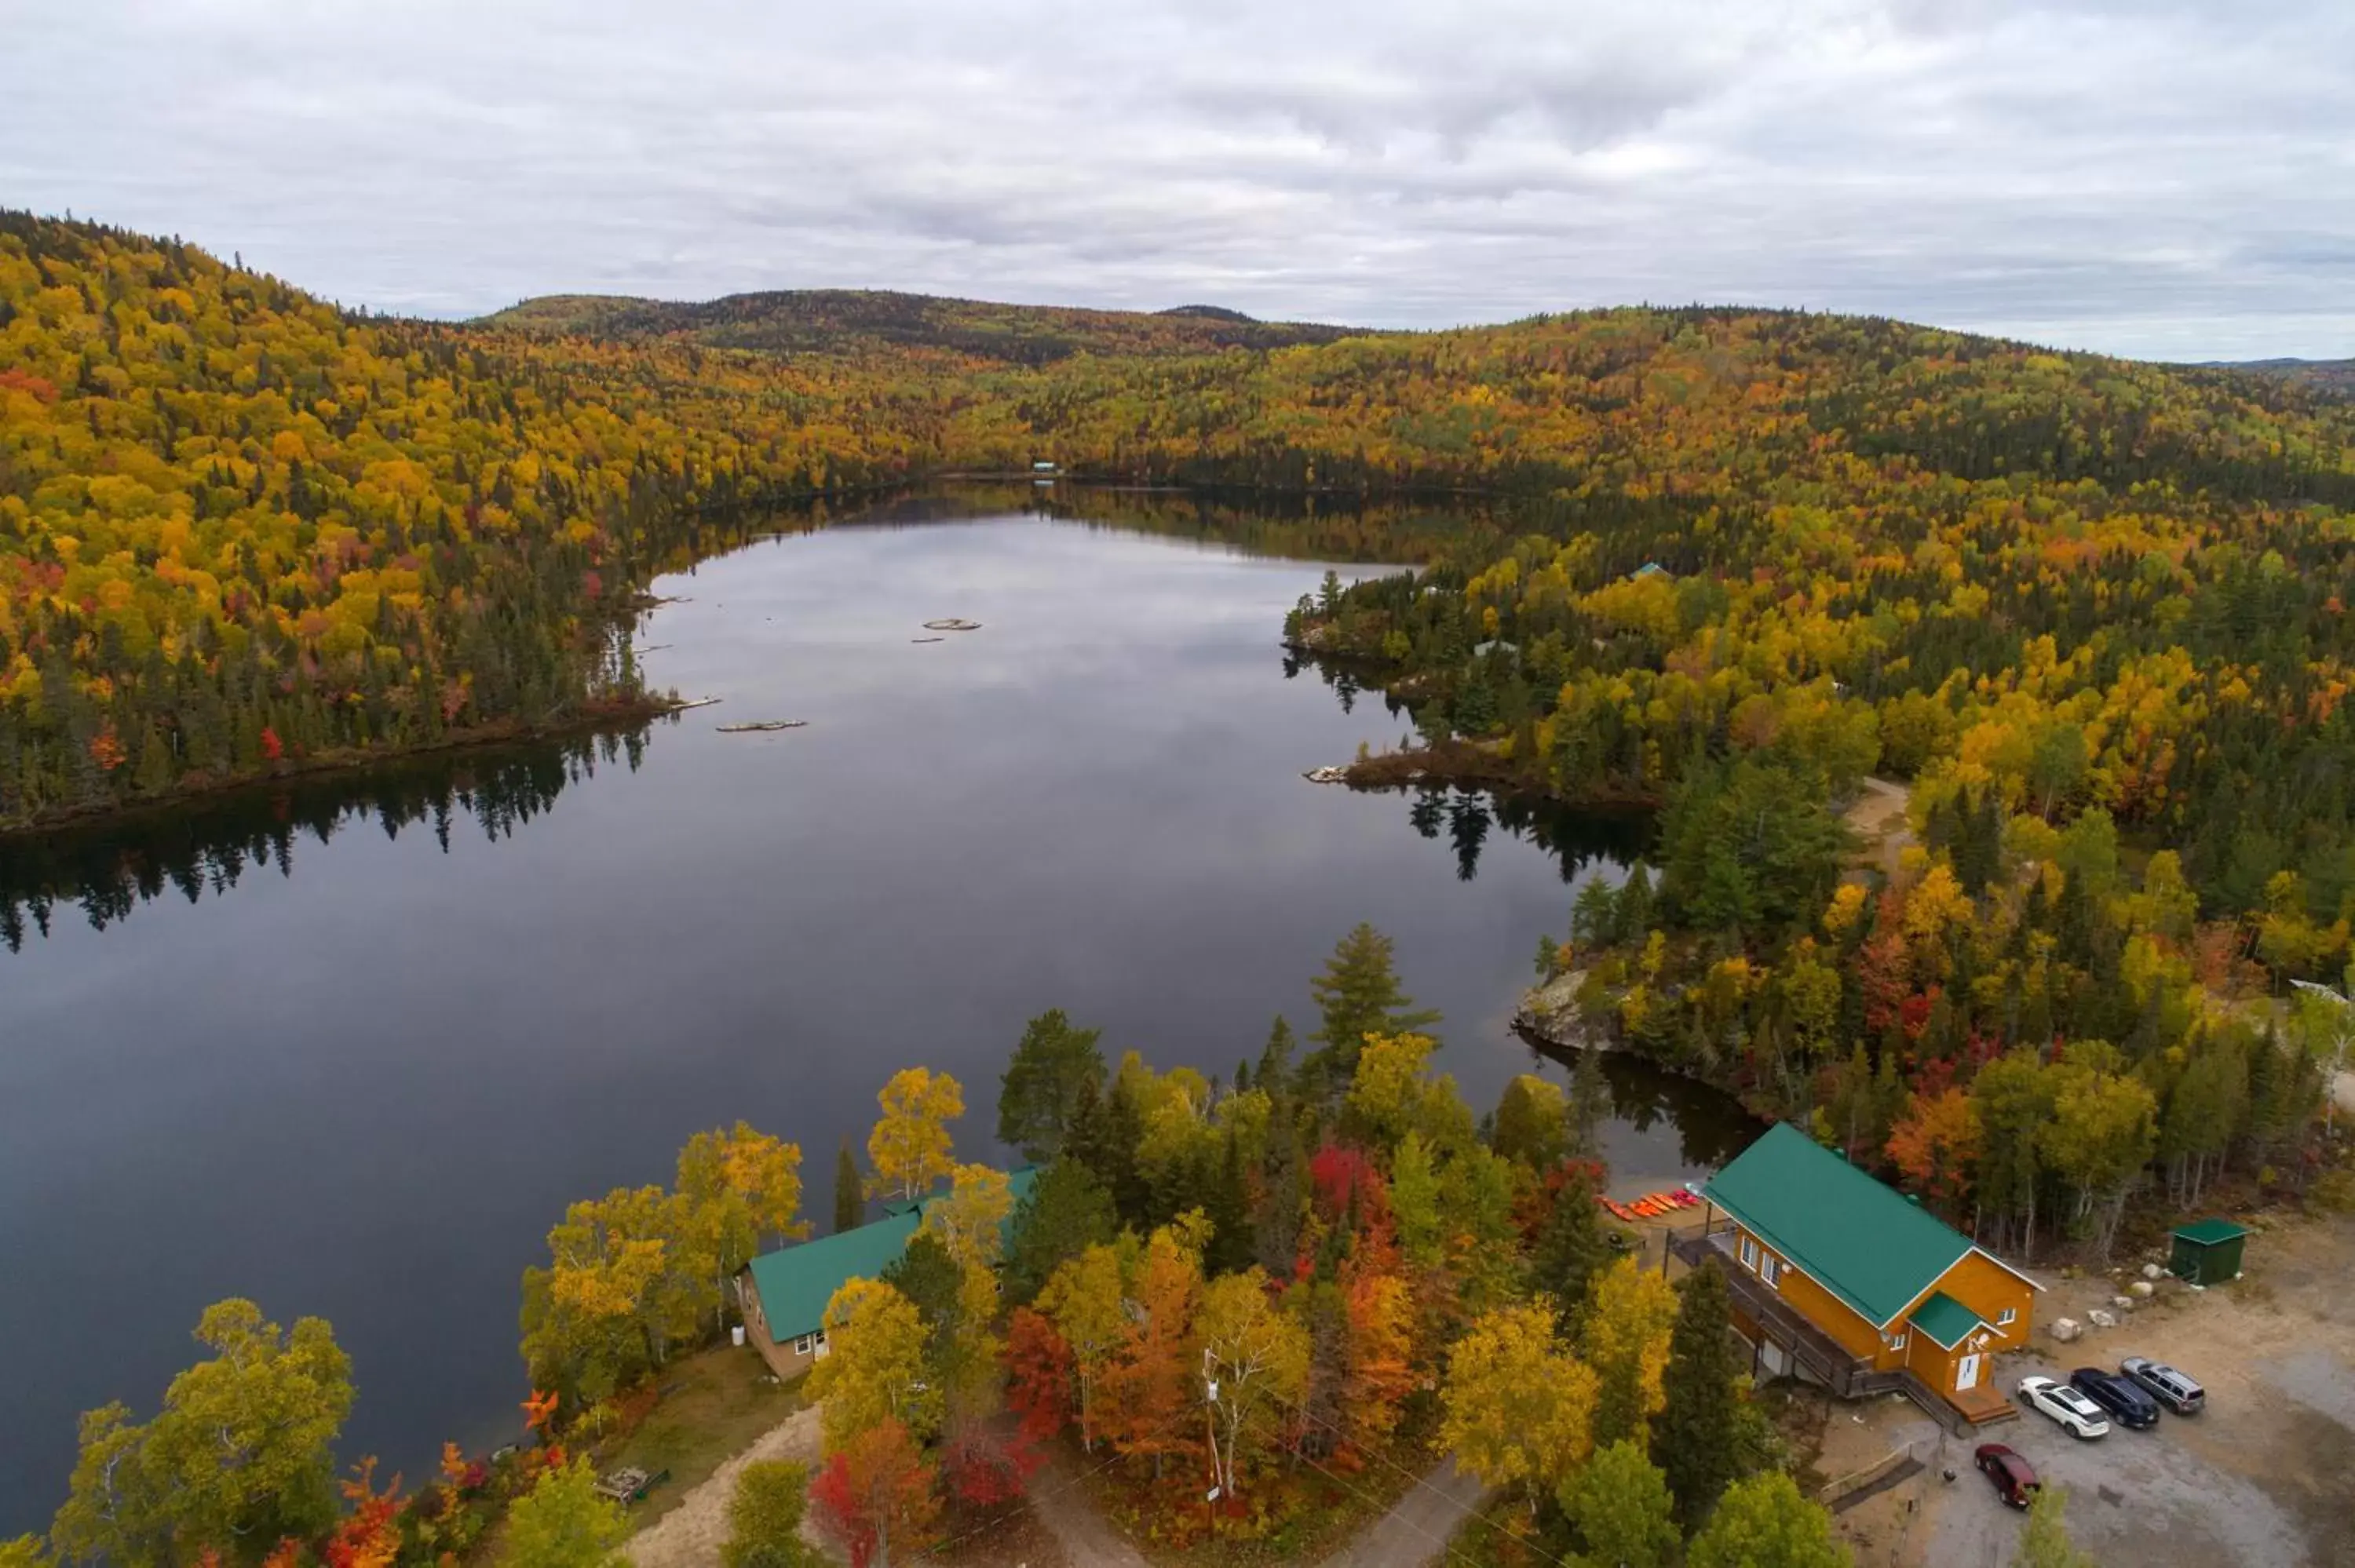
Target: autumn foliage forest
2091,615
1301,1286
242,528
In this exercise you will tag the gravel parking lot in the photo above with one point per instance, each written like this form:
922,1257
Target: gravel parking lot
2264,1477
2156,1497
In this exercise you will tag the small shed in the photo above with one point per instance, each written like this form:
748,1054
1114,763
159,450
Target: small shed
2207,1252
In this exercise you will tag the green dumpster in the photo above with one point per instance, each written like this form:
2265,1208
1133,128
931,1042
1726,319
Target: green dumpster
2207,1252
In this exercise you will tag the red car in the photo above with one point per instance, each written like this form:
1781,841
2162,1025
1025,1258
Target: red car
2014,1478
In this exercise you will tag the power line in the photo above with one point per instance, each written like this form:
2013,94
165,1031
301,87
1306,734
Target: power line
1030,1497
1478,1514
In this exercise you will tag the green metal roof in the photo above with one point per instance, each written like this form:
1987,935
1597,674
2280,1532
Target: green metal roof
796,1282
1945,1319
2208,1232
1865,1243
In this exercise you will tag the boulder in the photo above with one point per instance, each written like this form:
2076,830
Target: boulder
1551,1013
2066,1329
2123,1303
2101,1320
2152,1271
2141,1288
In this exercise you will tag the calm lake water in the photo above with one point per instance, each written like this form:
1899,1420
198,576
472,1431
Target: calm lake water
348,1048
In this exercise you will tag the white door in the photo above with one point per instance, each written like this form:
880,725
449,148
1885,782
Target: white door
1966,1373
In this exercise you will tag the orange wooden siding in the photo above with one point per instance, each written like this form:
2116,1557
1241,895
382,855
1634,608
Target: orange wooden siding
1812,1301
1976,1281
1989,1290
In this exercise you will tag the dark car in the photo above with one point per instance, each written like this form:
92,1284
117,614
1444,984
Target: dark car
2014,1478
2164,1383
2122,1397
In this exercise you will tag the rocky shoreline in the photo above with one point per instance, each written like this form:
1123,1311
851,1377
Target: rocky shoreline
1549,1017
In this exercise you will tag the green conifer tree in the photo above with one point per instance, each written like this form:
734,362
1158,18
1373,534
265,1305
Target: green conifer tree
1696,1436
849,1192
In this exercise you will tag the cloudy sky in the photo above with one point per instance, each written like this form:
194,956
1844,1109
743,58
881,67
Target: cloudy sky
2173,178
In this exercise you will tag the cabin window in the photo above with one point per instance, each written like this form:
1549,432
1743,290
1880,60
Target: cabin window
1769,1269
2005,1318
804,1344
1894,1342
1749,1254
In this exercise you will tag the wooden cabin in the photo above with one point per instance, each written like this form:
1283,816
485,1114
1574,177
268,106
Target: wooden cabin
783,1293
1841,1277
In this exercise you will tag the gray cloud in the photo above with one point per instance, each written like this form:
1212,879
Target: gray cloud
2174,179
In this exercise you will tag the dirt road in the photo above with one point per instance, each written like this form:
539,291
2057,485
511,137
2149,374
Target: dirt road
690,1535
1878,817
1058,1501
1419,1525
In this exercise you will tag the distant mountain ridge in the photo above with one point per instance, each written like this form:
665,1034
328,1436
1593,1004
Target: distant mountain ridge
841,321
2334,376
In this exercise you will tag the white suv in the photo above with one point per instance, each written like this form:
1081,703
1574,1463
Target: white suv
2065,1405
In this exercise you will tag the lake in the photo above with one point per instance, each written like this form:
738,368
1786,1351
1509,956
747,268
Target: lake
348,1046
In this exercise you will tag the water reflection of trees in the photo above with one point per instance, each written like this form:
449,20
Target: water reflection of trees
1574,838
1293,524
108,869
1712,1127
1287,524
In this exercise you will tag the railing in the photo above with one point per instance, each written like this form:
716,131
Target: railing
1913,1388
1846,1375
1836,1494
1832,1363
1824,1358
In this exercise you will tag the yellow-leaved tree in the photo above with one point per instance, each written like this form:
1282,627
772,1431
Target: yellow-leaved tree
1517,1408
1084,1299
738,1190
971,1221
874,1368
1631,1312
1256,1356
909,1147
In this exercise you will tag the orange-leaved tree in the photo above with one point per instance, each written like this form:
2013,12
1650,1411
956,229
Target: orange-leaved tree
1936,1145
876,1493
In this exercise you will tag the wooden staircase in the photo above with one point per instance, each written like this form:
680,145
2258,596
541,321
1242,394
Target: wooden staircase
1958,1414
1984,1406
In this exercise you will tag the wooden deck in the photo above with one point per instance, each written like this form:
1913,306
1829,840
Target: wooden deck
1824,1358
1983,1406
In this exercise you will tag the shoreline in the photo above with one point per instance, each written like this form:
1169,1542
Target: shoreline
592,719
1476,765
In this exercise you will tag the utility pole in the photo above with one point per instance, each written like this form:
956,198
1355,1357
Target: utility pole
1211,1420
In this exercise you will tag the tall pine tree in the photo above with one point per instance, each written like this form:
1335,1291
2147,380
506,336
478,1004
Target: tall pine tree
1041,1087
1696,1436
849,1192
1571,1247
1358,995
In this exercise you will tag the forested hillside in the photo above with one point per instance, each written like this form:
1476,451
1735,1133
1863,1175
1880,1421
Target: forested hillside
2335,377
2094,613
846,323
240,528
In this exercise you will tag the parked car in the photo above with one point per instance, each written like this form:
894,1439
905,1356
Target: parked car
2164,1383
2127,1404
2014,1478
2064,1406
